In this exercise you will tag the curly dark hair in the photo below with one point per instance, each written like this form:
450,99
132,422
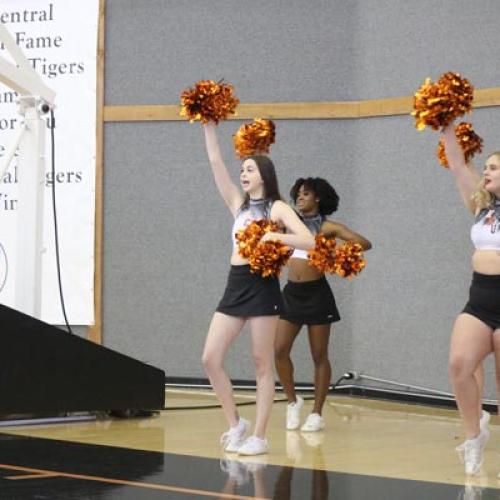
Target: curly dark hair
328,197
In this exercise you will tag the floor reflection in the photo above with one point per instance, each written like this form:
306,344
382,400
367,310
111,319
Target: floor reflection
279,483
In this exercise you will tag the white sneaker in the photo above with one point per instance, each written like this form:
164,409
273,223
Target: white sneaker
313,423
473,452
293,414
235,436
253,446
483,424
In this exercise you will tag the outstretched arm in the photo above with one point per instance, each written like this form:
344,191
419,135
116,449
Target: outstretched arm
335,230
227,188
465,174
297,236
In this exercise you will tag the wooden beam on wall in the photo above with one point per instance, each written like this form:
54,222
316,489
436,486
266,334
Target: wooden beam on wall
329,110
94,332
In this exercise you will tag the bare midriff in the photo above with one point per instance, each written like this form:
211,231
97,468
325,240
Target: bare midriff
486,261
299,271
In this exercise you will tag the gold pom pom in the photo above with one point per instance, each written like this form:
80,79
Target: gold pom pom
254,138
269,257
469,141
322,256
349,259
266,258
208,101
249,238
438,104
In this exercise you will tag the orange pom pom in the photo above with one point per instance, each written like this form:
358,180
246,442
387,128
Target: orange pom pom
349,259
266,258
254,138
438,104
269,257
208,101
469,141
249,238
322,256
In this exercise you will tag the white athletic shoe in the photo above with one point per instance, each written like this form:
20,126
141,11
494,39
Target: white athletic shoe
314,423
483,424
235,436
253,446
293,414
473,452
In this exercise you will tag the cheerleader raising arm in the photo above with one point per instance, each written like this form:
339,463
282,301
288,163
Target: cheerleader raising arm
227,188
465,174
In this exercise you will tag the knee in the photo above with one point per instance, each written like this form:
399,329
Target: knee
459,368
210,362
263,364
320,358
281,353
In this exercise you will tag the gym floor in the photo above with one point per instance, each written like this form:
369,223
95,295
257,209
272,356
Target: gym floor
369,450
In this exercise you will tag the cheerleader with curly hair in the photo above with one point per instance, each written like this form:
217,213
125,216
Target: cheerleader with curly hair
308,300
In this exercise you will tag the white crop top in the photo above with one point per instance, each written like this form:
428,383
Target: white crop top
485,233
256,210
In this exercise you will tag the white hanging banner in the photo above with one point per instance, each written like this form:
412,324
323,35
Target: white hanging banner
59,38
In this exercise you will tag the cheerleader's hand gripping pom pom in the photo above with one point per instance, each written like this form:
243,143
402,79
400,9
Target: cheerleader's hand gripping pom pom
438,104
349,260
249,238
469,141
254,138
322,256
269,257
208,101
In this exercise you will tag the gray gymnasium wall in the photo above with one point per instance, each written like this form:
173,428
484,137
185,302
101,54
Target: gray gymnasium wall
166,241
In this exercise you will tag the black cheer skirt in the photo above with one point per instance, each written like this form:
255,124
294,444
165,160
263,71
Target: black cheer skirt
249,294
484,299
309,303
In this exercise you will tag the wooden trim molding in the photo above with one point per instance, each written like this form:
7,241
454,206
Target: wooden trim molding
94,332
329,110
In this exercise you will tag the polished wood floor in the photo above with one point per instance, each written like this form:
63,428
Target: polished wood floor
363,437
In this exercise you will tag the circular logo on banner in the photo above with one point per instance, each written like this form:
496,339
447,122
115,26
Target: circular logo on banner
3,267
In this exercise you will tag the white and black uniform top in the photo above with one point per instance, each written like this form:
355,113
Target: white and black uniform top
255,210
313,223
485,233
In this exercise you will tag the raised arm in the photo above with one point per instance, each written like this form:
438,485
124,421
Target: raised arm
334,229
227,188
465,174
297,236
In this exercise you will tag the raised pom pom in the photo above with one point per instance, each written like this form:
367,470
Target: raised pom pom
438,104
469,141
269,257
322,256
208,101
254,138
349,259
